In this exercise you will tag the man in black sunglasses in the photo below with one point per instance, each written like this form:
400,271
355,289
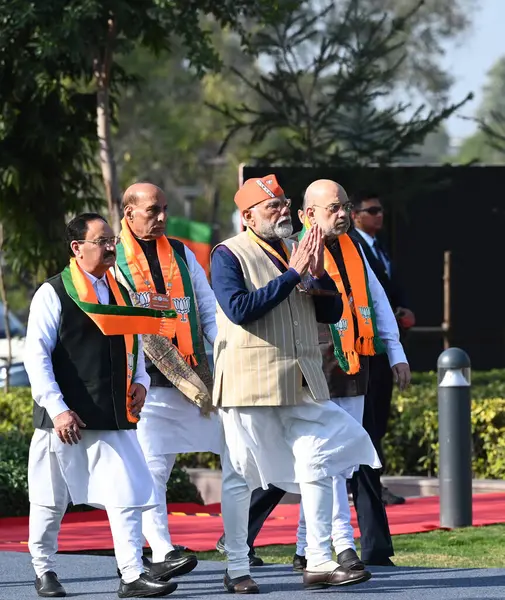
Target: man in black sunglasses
368,218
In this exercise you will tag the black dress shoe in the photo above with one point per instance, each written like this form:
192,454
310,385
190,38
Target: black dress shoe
317,580
379,561
390,499
255,560
299,563
350,560
48,586
145,587
176,563
240,585
145,562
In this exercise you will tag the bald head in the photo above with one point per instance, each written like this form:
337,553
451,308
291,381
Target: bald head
326,204
139,190
324,192
145,210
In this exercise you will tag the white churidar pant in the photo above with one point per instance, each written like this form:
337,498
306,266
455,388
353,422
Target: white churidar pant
342,532
106,469
170,425
299,449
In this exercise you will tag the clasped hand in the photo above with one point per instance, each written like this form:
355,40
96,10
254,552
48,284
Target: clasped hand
308,255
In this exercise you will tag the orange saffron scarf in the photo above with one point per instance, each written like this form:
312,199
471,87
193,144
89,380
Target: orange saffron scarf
347,345
134,266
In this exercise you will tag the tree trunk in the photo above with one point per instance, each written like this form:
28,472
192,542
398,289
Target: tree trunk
3,298
102,69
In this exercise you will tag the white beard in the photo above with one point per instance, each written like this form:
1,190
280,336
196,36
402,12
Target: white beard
281,229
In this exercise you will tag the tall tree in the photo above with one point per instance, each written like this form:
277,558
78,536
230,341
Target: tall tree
168,135
425,36
435,149
488,143
47,152
327,96
154,25
60,75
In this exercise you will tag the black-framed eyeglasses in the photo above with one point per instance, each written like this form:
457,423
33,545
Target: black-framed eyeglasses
102,242
336,207
372,210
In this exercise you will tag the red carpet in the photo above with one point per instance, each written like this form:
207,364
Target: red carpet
199,527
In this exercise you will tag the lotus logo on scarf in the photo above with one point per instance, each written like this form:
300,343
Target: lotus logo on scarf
182,306
141,299
341,327
366,313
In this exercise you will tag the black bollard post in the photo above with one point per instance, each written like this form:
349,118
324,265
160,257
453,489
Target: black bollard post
455,439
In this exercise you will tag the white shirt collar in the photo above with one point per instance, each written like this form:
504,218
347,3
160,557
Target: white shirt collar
367,237
94,279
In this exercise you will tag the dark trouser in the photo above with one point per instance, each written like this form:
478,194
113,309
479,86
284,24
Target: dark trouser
378,399
367,497
262,504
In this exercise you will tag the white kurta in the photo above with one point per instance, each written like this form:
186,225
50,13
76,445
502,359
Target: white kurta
106,468
171,424
288,445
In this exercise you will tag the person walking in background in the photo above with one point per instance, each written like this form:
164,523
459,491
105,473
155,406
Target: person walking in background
368,220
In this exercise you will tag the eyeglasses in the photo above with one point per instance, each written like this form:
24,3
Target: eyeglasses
336,207
373,210
102,242
278,205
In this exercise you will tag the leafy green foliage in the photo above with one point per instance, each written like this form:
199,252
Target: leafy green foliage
487,145
168,135
424,40
13,474
199,460
54,56
413,427
16,411
180,488
411,445
327,97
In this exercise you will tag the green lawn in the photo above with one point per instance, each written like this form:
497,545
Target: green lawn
468,548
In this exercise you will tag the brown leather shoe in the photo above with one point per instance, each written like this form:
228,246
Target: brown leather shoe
312,580
240,585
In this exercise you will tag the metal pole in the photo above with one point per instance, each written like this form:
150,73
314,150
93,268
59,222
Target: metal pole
455,439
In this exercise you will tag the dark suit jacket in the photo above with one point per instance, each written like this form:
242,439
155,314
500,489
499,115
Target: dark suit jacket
391,285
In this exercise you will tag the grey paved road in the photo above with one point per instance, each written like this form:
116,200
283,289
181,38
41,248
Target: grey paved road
92,578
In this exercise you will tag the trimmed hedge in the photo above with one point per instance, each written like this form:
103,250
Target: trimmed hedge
13,474
411,445
15,434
